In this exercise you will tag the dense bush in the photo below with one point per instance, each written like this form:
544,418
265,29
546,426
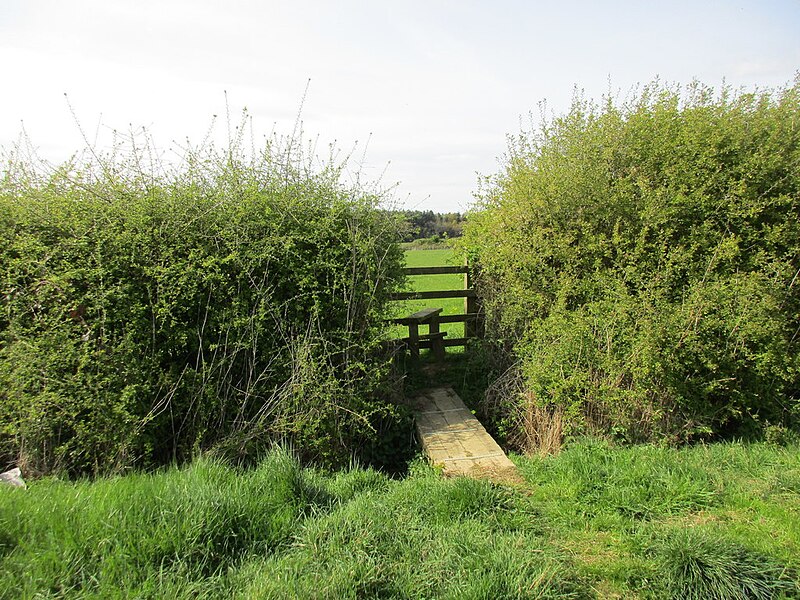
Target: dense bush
640,263
151,311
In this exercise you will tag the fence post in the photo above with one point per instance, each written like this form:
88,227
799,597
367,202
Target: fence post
470,305
474,327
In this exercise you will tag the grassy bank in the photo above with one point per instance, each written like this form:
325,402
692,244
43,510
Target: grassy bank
594,522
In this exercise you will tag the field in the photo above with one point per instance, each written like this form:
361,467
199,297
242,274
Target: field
596,521
424,283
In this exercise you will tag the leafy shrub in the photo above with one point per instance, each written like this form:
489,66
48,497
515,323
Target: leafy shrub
150,312
640,264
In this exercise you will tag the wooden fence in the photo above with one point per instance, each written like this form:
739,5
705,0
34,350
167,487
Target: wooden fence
472,317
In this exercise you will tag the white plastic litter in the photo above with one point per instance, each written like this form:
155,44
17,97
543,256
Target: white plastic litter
13,477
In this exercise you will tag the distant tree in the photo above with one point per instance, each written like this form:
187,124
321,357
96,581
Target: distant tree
427,224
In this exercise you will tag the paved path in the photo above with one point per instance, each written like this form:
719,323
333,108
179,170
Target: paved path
455,440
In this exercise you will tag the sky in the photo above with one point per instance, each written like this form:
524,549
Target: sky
422,94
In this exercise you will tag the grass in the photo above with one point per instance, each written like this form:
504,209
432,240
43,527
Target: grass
596,521
424,283
657,522
277,531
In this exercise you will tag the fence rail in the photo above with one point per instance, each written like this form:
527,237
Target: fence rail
459,318
435,270
472,317
432,295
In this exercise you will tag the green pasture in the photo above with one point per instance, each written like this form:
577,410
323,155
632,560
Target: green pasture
425,283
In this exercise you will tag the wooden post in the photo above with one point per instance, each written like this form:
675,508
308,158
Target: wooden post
470,305
437,344
413,340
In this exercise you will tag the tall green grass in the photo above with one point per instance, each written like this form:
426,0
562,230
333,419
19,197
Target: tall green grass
272,532
660,522
133,534
423,538
698,565
596,521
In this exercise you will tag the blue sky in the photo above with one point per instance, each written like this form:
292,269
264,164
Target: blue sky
432,87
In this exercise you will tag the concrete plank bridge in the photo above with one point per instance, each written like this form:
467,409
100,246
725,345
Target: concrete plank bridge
451,436
455,440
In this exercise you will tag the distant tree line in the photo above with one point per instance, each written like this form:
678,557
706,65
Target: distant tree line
421,224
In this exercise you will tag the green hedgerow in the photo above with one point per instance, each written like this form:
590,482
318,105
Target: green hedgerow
639,261
147,313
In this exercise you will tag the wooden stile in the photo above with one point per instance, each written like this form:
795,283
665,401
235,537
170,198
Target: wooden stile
435,339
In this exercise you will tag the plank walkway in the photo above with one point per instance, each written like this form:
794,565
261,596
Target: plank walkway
455,440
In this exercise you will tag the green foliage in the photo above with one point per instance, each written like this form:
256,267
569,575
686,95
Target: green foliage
148,313
431,226
641,263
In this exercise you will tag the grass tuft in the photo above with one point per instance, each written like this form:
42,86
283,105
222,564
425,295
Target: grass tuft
697,565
